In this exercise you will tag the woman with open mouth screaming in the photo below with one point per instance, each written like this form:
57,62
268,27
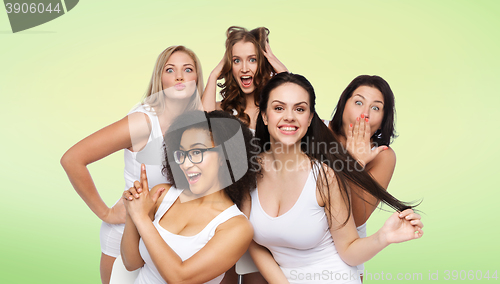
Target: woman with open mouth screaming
247,66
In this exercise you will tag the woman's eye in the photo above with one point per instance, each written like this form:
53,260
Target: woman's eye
253,60
195,152
375,108
169,70
299,109
189,70
278,108
358,103
236,61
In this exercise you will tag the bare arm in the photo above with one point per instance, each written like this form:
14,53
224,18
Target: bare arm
353,250
273,60
380,163
209,95
229,243
102,143
129,248
266,264
381,169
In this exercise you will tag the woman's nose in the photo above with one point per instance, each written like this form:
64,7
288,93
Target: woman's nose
179,76
187,163
244,67
289,115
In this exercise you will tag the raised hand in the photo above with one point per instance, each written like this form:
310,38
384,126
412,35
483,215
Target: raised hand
218,69
402,226
273,60
358,141
138,200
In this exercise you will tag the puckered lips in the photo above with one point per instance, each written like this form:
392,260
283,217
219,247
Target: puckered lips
193,177
180,86
246,81
288,129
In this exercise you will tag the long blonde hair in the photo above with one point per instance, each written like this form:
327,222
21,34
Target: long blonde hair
154,96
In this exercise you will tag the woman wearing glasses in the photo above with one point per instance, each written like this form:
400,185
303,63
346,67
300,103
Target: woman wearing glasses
192,231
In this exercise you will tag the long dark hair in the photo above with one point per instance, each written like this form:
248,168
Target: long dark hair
319,135
386,134
224,130
232,96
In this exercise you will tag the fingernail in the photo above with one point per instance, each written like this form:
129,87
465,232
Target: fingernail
350,125
357,118
400,215
385,148
362,116
366,119
130,198
408,217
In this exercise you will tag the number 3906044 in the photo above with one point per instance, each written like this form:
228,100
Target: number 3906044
32,8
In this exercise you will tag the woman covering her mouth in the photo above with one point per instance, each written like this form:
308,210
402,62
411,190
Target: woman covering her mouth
364,121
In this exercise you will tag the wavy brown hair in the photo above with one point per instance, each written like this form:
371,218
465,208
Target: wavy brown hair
232,96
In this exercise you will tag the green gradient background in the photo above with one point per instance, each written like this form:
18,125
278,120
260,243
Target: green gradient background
63,80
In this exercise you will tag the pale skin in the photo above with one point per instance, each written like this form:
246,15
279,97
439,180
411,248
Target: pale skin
230,241
130,133
244,64
362,117
288,109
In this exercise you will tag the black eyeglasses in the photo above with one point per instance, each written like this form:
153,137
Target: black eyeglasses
194,155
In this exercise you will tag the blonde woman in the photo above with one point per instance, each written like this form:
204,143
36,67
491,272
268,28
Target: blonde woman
175,86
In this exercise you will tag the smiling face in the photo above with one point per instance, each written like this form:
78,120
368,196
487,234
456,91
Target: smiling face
288,114
244,65
203,178
368,101
179,76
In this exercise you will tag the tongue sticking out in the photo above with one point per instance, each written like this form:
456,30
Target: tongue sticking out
246,81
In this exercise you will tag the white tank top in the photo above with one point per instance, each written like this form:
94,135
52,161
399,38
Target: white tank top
300,240
184,246
151,155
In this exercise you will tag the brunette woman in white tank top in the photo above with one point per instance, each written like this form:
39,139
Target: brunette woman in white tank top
364,121
196,232
301,207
